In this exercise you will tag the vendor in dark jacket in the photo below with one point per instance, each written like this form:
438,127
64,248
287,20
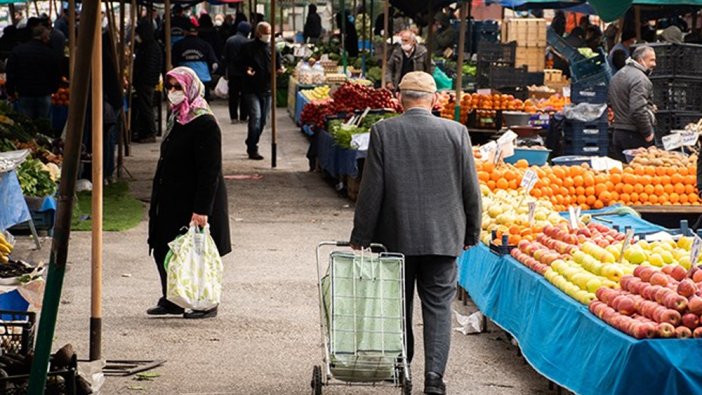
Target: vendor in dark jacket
631,98
198,54
313,26
188,186
33,74
233,61
147,69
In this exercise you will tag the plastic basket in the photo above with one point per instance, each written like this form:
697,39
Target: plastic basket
586,69
495,52
485,69
43,220
57,382
582,130
586,147
588,93
677,94
672,120
570,160
17,331
537,157
678,60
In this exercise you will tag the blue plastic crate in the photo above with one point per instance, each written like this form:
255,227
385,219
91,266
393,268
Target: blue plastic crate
570,160
589,68
588,93
537,157
587,149
576,130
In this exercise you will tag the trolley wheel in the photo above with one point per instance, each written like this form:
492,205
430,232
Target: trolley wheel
316,380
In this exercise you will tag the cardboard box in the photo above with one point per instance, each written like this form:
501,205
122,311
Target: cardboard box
527,32
533,57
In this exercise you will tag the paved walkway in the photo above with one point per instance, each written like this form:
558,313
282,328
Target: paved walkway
266,338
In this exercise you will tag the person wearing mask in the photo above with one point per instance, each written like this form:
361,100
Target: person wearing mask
207,32
147,69
313,26
256,57
618,55
430,224
408,56
33,74
235,72
349,32
188,186
198,54
631,98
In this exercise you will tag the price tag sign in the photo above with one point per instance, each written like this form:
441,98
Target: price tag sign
689,139
508,137
672,141
532,211
487,150
574,216
603,163
625,245
529,180
695,250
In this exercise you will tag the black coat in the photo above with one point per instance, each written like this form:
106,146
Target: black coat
148,58
189,179
33,70
257,55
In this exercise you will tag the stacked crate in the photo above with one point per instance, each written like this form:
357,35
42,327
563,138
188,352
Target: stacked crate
677,86
586,138
530,35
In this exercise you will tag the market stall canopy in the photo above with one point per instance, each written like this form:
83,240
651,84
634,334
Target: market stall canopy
536,4
415,7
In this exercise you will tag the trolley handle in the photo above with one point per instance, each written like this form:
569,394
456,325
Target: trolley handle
372,245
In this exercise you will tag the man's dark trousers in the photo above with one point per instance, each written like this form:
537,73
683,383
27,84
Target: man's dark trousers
435,278
237,104
144,121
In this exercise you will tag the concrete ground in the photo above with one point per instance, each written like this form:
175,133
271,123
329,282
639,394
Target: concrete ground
266,338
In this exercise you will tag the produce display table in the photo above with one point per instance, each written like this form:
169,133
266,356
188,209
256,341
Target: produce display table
564,342
293,88
336,161
13,207
669,216
300,103
639,225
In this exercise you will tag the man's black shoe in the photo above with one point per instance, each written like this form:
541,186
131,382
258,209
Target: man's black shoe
433,384
255,156
197,314
160,310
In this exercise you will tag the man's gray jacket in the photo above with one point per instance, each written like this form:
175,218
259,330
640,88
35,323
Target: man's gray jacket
418,62
419,193
631,98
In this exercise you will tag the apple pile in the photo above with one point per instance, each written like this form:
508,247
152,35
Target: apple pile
352,96
654,302
315,113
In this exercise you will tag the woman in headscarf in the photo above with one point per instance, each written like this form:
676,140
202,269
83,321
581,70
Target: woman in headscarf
188,186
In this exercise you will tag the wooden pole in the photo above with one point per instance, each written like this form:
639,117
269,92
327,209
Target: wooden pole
386,26
167,6
71,35
274,88
132,10
637,21
251,11
459,63
364,37
430,32
123,133
96,208
67,189
281,20
344,53
36,8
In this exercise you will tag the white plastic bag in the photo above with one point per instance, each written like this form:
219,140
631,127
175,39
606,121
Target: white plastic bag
221,90
194,270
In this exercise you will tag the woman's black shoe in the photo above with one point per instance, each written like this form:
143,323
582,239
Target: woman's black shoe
197,314
160,310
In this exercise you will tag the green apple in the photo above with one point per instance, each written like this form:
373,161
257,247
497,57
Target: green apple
594,284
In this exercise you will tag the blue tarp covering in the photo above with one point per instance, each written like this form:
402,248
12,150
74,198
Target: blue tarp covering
13,208
335,160
563,341
300,102
640,226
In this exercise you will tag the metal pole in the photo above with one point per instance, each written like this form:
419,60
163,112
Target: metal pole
430,32
67,188
386,26
274,88
364,37
459,63
132,11
96,210
167,5
344,59
71,35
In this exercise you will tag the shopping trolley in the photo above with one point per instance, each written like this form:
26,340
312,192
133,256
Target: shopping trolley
362,319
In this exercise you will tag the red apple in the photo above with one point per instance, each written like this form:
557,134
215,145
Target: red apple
695,305
658,313
690,320
646,273
671,316
696,275
636,287
697,333
665,330
662,294
677,302
624,281
682,332
659,278
678,272
687,288
605,294
643,330
626,305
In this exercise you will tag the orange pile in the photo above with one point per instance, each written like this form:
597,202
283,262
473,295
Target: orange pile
580,185
474,101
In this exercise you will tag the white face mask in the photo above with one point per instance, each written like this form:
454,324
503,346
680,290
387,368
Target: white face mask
266,38
176,97
137,38
407,47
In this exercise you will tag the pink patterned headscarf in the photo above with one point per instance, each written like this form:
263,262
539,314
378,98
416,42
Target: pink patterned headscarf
194,104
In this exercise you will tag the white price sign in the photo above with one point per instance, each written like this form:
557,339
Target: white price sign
529,180
532,211
507,137
603,163
487,150
672,141
625,245
574,216
695,250
689,138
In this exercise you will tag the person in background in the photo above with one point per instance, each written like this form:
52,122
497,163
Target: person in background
188,186
445,36
61,23
673,35
593,38
631,98
207,32
256,56
312,31
180,24
235,72
406,57
431,224
618,55
350,34
196,53
147,69
57,42
610,33
558,24
33,75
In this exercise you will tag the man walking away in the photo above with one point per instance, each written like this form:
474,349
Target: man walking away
235,72
313,26
147,68
33,74
631,98
256,56
197,54
424,203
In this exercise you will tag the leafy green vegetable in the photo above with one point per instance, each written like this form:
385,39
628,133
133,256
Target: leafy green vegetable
34,179
374,74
